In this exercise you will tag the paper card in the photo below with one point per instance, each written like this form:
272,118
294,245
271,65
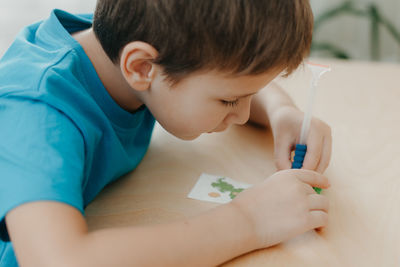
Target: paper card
218,189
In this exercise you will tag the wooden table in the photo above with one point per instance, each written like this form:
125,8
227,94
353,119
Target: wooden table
361,103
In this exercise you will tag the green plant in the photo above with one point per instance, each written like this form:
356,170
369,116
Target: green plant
372,13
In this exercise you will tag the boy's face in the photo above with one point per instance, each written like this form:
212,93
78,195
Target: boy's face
203,103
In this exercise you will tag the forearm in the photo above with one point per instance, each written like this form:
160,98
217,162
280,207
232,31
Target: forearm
206,240
266,102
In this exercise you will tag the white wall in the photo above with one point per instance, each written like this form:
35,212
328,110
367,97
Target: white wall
15,14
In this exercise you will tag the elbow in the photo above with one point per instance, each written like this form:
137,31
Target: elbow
65,258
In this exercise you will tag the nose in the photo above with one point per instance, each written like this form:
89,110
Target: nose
241,113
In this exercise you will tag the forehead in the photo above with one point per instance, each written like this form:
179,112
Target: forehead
219,83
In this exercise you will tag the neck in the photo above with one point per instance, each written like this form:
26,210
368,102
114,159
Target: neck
109,73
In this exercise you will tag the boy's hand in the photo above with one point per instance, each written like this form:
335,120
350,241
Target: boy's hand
284,206
273,106
286,125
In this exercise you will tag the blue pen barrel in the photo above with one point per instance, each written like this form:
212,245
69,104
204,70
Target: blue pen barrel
299,155
298,159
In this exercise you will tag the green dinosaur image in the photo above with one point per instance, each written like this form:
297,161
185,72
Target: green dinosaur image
223,186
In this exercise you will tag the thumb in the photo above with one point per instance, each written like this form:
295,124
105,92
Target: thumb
312,178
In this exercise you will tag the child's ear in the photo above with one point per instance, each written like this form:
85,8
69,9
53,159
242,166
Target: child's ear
137,64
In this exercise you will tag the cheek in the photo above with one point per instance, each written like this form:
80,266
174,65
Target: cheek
201,116
195,116
186,112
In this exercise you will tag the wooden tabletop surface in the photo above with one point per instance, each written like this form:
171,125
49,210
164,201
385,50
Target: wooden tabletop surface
359,100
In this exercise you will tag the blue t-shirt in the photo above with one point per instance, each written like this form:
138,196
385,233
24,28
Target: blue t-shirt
62,136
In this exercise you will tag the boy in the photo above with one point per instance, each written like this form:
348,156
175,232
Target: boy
78,103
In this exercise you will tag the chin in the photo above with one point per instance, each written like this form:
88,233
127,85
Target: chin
185,137
188,138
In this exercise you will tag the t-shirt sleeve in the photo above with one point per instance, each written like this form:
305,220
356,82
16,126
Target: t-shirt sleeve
41,156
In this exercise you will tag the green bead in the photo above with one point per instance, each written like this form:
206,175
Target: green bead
318,190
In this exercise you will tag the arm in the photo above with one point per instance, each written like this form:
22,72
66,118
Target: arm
266,102
55,234
62,239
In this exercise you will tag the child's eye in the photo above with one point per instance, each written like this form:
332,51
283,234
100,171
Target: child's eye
230,103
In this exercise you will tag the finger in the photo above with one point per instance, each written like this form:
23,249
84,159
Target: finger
326,154
312,178
318,218
318,202
282,155
313,155
308,188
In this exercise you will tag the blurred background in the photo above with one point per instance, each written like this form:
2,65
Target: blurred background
349,29
357,29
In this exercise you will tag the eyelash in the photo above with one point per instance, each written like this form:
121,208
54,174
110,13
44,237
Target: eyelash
230,103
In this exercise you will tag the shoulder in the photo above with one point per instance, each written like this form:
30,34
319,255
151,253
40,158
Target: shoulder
30,126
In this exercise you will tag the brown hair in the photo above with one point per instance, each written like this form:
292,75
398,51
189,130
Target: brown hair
236,36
